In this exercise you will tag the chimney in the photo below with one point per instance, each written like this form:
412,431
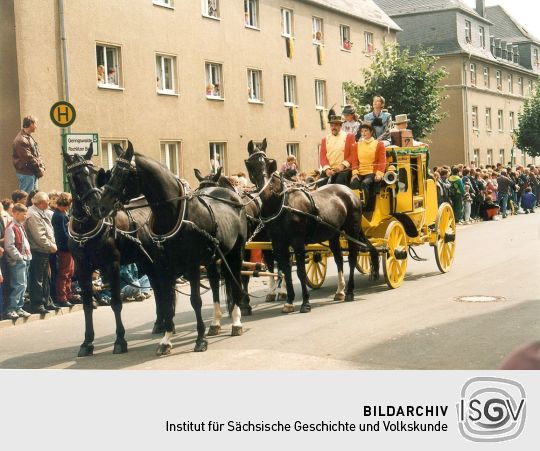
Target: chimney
481,7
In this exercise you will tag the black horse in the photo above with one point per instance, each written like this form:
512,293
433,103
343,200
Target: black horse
295,217
186,230
252,205
94,245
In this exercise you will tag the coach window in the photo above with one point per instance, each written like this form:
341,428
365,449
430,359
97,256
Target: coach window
108,66
214,81
211,8
217,156
170,156
166,74
108,155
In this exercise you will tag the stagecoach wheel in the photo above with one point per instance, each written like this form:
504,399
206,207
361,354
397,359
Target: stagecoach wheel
363,262
315,269
445,246
395,258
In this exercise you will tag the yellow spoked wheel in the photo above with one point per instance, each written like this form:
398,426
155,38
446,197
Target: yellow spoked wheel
395,258
445,246
316,263
363,262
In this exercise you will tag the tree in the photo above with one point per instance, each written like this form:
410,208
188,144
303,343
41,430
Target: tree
527,135
409,84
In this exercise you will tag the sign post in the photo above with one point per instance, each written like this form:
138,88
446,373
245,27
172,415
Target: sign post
79,143
63,115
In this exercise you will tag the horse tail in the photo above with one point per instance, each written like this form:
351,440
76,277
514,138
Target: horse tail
229,294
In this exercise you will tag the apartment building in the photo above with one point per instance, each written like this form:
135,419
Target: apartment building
188,82
493,67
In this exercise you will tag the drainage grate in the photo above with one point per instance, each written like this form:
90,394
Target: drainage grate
480,298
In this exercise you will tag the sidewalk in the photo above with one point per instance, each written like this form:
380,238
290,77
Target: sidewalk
52,314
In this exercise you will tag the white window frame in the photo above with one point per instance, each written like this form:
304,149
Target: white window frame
287,17
489,157
476,157
255,93
320,94
473,73
520,85
512,118
468,31
317,26
165,148
209,77
474,117
345,34
206,9
501,156
251,14
500,120
536,62
343,95
116,64
108,155
289,90
160,74
213,147
488,119
529,87
293,148
510,80
482,33
498,79
369,47
486,77
164,3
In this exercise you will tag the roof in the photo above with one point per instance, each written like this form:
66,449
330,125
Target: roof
405,7
365,10
506,27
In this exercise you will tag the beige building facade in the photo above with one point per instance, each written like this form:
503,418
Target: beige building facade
188,83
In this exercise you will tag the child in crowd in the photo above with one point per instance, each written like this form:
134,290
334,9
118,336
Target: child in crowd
467,203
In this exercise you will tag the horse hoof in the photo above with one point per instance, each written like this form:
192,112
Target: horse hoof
282,297
305,308
349,297
158,329
246,311
86,351
237,331
287,308
200,346
120,348
213,330
339,296
270,297
163,349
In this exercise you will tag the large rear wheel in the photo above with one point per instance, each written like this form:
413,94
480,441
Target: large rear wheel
395,257
316,263
445,246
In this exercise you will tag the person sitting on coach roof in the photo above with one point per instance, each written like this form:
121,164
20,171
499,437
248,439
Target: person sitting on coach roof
381,120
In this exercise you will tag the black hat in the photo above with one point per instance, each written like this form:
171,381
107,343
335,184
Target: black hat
348,109
333,118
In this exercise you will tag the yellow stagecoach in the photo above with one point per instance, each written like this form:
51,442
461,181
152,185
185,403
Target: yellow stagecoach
406,214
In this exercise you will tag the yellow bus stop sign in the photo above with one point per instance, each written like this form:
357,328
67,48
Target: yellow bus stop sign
63,114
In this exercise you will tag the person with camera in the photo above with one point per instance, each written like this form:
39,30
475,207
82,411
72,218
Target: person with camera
26,159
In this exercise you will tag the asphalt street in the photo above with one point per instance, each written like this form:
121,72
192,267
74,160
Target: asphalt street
420,325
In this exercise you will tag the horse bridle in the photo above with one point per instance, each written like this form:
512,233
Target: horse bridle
81,165
125,171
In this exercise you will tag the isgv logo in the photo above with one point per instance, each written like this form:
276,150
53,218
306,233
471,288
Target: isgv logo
491,409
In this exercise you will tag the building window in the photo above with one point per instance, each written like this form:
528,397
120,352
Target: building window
468,31
287,22
520,85
108,155
512,121
501,156
251,13
500,120
535,57
217,157
344,97
489,157
510,83
368,42
214,80
320,94
289,90
294,149
488,119
254,85
345,37
482,37
165,74
529,88
168,3
211,8
498,79
108,65
474,116
476,157
317,29
473,74
170,156
486,77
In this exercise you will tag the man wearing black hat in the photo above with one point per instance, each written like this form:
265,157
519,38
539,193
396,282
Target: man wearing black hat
337,152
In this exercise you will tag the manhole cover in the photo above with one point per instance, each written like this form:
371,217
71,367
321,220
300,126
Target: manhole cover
479,298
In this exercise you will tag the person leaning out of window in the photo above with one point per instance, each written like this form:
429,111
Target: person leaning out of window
368,165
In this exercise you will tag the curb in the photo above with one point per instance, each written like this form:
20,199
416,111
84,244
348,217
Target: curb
35,317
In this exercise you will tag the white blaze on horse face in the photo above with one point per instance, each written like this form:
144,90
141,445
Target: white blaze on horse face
216,321
236,315
166,340
341,284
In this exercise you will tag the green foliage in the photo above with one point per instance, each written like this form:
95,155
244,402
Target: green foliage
409,84
527,135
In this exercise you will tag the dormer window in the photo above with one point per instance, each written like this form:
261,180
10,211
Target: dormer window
468,31
482,37
535,57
